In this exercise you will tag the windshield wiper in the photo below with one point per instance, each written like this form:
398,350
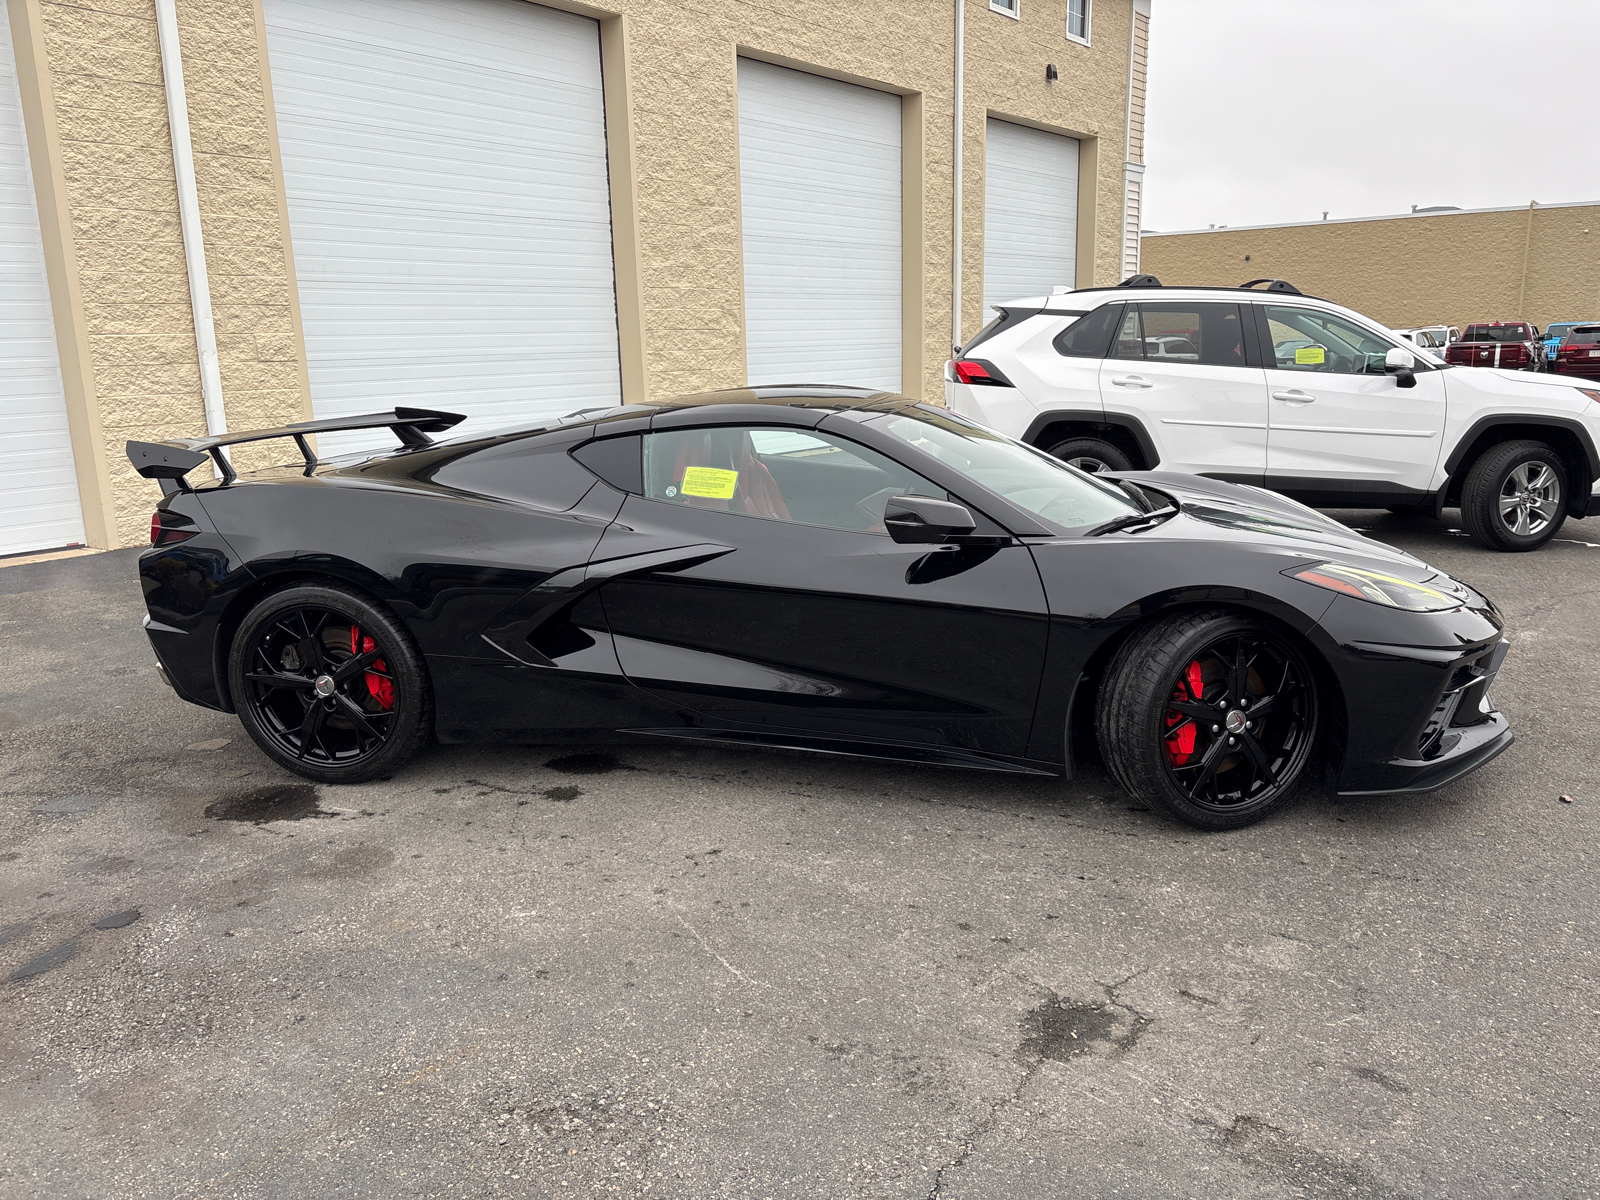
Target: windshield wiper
1140,496
1129,520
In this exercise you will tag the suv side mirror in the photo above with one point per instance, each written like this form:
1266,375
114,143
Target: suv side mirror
922,520
1401,363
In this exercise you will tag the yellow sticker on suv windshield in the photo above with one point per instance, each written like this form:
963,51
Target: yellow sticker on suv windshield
1310,356
711,482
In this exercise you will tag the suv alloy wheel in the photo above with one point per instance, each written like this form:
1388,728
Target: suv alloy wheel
1515,496
1090,455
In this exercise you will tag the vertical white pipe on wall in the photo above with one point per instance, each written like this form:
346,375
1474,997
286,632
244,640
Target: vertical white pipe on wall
955,249
194,250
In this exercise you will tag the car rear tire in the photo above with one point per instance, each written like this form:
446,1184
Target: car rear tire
1092,455
1210,717
1515,496
329,685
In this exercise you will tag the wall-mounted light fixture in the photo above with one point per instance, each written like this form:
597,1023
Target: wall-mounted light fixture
1050,73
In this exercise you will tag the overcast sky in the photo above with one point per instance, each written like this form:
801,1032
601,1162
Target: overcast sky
1272,110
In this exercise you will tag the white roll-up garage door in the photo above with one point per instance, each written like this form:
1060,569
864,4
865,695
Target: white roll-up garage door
445,162
819,178
1030,212
39,507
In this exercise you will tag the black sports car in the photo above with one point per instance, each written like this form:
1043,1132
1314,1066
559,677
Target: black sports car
819,568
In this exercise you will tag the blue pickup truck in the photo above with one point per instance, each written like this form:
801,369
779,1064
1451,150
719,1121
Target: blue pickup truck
1554,332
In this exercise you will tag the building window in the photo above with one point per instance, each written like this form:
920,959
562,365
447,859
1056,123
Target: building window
1078,20
1010,8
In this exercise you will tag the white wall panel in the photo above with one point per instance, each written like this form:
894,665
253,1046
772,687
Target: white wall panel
445,162
1030,213
39,507
819,177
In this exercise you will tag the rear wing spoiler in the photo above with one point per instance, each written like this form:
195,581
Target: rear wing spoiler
169,462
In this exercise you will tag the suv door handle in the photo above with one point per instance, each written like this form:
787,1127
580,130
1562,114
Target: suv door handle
1132,381
1294,396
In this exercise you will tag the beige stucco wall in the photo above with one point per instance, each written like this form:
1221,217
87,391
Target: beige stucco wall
1445,268
673,120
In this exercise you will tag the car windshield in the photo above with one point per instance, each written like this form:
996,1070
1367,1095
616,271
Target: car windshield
1496,333
1028,478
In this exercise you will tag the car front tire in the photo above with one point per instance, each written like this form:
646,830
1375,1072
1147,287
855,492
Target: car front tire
1091,455
329,685
1515,496
1210,717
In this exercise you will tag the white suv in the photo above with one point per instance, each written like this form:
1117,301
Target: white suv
1270,387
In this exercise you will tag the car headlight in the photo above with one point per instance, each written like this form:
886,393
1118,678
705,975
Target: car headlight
1439,593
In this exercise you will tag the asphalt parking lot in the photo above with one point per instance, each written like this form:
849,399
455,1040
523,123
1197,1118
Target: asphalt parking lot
646,971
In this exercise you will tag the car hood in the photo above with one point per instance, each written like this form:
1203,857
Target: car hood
1533,386
1241,514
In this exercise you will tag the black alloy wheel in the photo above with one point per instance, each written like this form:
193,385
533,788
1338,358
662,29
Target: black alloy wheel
1093,456
329,684
1515,496
1210,717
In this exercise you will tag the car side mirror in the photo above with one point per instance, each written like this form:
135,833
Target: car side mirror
922,521
1401,364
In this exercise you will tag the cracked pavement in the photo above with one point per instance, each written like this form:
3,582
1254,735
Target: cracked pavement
645,970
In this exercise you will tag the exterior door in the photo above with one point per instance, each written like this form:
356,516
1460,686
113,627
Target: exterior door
809,618
1030,213
1339,423
1181,370
820,204
39,507
445,165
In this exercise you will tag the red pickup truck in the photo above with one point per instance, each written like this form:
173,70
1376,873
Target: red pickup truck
1512,344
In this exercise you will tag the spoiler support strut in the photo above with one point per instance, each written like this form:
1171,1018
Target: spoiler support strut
169,462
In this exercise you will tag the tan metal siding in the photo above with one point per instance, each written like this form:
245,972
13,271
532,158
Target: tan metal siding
1446,268
1141,64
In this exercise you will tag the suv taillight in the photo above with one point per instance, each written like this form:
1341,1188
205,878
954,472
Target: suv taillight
977,371
167,528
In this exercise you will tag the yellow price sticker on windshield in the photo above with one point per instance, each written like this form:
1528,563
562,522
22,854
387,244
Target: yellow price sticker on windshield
713,483
1310,356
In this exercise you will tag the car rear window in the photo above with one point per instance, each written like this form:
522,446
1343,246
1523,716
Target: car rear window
1587,336
1090,336
1496,333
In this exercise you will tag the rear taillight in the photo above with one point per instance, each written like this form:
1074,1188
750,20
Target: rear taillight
167,528
978,372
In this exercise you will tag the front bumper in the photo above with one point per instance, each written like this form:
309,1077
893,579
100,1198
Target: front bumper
1457,733
1416,691
1475,747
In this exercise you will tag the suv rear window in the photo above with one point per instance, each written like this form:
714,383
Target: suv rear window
1496,333
1090,335
1587,336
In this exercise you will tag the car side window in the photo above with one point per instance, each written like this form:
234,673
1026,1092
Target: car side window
778,474
1090,334
1306,340
1210,335
522,470
1129,343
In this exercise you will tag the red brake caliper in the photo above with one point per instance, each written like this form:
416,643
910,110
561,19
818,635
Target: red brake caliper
382,689
1181,744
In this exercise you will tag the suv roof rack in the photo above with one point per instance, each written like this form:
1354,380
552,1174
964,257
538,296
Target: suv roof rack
1275,285
1281,286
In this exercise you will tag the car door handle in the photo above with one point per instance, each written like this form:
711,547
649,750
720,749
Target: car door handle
1294,396
1131,381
